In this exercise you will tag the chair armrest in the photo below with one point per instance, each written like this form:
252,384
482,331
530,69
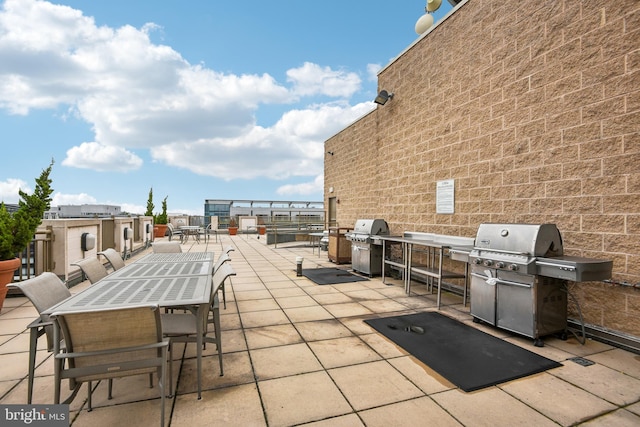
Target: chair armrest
163,343
39,323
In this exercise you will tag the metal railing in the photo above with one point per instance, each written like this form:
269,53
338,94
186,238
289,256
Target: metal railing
37,257
275,220
289,232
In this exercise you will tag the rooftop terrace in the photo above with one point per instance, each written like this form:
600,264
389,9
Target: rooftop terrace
300,354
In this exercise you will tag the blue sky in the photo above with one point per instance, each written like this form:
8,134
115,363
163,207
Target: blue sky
197,99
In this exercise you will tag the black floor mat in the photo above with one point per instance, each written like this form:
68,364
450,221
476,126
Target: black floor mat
330,276
469,358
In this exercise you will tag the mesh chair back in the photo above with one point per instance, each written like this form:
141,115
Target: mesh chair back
221,260
114,258
95,331
44,291
220,275
166,247
92,268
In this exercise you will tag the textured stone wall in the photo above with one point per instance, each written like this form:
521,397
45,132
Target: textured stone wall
533,108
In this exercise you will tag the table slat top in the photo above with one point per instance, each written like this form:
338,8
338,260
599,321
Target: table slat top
179,257
167,284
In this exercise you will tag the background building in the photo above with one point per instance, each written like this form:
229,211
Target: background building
83,211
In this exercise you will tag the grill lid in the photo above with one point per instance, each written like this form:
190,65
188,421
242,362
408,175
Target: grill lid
371,227
535,240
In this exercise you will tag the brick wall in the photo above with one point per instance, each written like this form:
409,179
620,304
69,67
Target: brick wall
533,108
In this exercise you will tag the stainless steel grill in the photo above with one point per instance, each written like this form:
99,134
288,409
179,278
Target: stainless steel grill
366,250
518,278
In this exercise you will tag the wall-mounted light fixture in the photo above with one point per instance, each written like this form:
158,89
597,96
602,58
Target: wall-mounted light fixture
426,21
147,233
330,153
127,233
87,242
383,97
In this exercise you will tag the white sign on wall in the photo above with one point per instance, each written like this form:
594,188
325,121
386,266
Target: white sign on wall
445,197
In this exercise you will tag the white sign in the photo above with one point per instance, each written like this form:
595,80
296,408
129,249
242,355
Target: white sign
445,199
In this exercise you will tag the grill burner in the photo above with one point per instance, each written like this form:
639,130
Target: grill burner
518,274
366,250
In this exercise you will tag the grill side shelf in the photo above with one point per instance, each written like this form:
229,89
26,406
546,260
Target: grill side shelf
577,269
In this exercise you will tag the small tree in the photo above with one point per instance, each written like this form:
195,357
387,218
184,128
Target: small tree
17,228
162,217
150,205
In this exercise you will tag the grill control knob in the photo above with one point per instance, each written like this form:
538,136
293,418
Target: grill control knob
488,263
513,267
500,264
477,261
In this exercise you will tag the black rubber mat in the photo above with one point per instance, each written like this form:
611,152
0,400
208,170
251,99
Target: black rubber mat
330,276
467,357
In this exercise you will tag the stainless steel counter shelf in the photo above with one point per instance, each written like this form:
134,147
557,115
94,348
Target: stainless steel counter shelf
436,247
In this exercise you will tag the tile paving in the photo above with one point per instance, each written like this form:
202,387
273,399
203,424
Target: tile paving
300,354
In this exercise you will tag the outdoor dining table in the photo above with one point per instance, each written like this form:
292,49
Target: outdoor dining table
191,230
167,280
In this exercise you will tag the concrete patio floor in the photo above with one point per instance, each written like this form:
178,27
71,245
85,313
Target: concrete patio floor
296,353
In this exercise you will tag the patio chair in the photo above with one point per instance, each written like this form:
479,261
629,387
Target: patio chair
224,257
174,232
184,327
228,249
208,231
44,291
107,344
114,258
92,268
221,260
225,271
166,247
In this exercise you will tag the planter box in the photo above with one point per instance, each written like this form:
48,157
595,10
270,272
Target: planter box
159,230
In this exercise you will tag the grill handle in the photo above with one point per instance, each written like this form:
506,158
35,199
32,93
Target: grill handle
502,251
560,266
495,281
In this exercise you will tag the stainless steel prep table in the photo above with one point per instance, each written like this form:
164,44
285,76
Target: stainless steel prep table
154,284
315,241
436,248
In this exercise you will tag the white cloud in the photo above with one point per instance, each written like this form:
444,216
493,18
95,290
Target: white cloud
95,156
139,95
131,208
9,190
314,187
294,146
372,71
60,199
312,79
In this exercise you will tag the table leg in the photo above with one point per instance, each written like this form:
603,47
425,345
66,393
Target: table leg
199,343
408,261
440,276
384,245
33,346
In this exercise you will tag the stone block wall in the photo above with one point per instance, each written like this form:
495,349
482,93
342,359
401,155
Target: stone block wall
533,109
